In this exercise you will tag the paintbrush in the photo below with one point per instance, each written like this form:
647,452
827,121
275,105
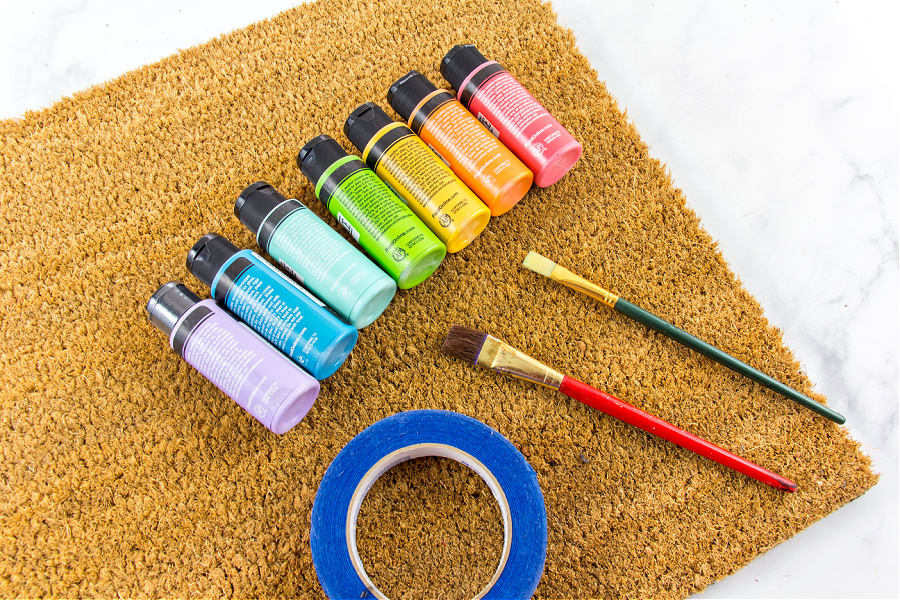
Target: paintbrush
487,351
548,268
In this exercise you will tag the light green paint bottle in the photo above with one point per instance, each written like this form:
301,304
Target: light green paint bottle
388,230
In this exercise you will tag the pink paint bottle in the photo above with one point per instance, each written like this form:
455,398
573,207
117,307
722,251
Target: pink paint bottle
511,113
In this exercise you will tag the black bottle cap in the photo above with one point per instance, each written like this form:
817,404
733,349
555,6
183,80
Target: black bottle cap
168,303
317,155
459,62
208,255
364,122
256,202
406,93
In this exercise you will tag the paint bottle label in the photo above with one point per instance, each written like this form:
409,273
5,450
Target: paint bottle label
285,314
490,126
438,154
294,274
346,224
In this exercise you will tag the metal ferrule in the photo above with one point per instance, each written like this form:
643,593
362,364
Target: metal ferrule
570,279
503,358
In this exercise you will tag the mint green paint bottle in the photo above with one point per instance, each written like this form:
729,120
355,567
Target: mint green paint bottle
315,254
382,223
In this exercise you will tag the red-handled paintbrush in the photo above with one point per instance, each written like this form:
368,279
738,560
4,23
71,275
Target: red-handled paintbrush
487,351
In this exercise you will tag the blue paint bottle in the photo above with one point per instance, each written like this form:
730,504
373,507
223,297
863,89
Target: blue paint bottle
292,319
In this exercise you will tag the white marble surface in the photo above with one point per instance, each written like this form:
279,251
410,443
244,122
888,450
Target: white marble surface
778,120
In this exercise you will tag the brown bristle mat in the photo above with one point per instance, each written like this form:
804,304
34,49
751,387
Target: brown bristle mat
125,473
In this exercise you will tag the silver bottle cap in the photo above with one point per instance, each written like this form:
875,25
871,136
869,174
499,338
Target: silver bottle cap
168,303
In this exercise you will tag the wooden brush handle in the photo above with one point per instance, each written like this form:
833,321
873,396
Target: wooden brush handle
723,358
623,411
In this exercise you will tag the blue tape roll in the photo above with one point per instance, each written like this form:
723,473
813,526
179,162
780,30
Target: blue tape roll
414,434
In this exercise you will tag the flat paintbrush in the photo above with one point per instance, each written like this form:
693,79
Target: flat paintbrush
548,268
487,351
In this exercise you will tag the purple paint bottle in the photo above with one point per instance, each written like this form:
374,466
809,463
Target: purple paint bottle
239,362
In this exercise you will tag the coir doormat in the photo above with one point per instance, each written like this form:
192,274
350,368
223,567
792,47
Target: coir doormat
124,472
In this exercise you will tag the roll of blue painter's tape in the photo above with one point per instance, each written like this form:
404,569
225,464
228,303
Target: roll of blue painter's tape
415,434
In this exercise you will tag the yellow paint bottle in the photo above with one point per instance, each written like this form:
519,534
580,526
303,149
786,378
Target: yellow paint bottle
431,190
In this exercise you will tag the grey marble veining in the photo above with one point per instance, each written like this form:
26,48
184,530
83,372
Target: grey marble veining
780,123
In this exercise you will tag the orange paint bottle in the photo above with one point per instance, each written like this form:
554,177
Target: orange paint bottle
485,165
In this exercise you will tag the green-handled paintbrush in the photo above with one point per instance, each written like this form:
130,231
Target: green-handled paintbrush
548,268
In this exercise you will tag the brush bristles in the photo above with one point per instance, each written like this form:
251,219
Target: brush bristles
539,264
464,343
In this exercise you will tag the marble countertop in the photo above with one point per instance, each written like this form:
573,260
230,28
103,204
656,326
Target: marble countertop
780,123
